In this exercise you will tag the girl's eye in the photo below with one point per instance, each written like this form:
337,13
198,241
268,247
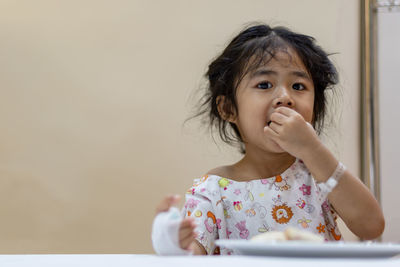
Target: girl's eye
264,85
298,86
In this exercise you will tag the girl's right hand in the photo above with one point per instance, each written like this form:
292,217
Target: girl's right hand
187,234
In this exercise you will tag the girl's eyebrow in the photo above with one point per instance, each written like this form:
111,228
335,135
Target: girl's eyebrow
301,74
261,72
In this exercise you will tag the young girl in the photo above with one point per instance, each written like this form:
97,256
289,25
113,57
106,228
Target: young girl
267,92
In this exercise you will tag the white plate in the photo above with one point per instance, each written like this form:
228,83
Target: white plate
309,249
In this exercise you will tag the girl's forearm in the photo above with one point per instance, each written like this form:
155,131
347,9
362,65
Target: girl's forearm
351,198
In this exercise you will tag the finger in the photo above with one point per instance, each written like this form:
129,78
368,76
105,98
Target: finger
188,222
167,202
272,135
278,118
185,243
185,233
272,130
285,111
275,127
184,230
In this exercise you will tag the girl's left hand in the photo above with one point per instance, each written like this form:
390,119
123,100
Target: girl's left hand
291,132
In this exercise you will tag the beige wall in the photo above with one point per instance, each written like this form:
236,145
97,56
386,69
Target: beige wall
92,101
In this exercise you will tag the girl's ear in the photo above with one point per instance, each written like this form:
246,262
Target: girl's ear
225,109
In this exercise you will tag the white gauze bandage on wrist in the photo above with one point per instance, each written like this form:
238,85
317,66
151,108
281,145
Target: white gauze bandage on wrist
331,183
165,233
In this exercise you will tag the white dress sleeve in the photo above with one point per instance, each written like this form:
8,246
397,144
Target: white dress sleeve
201,204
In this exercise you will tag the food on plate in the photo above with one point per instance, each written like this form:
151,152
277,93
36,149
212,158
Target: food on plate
270,236
290,233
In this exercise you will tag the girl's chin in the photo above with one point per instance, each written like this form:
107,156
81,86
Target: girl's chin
276,148
271,147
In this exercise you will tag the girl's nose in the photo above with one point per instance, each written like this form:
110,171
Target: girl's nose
283,99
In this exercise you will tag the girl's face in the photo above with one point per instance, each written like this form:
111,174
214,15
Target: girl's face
283,81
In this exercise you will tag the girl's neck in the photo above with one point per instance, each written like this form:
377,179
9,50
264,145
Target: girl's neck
262,165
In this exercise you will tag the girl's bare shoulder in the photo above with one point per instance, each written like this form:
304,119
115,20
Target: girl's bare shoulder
222,171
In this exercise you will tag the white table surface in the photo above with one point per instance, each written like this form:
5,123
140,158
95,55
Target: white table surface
124,260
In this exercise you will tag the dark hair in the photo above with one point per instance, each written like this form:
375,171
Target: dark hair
252,47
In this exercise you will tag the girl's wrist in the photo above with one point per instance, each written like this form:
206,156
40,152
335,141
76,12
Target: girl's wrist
312,150
320,162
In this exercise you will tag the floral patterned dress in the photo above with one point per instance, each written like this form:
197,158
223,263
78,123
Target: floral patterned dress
227,209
